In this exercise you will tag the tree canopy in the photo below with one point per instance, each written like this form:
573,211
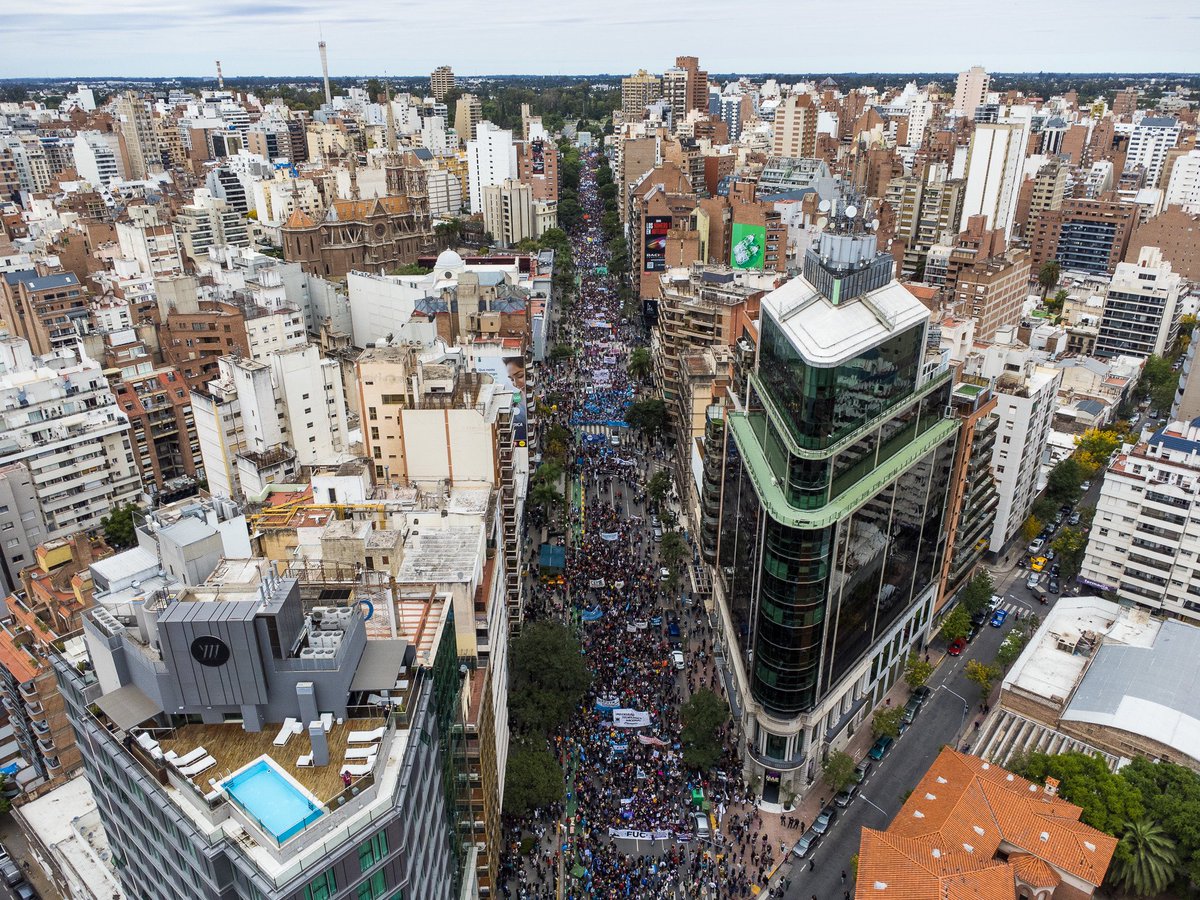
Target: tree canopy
977,593
838,770
1107,799
703,716
119,530
648,416
548,677
916,671
886,721
533,779
956,624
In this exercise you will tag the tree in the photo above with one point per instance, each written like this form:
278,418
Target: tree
978,592
1171,796
1094,447
703,716
658,486
983,675
533,779
673,548
886,721
1069,546
648,416
1048,276
546,496
1063,485
1159,381
548,677
1147,863
916,671
558,439
119,531
1108,801
838,770
1012,646
410,269
956,624
1032,528
561,351
641,363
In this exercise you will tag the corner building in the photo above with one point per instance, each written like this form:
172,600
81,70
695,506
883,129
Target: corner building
833,504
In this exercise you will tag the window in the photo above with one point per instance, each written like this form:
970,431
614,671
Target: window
373,888
373,851
322,887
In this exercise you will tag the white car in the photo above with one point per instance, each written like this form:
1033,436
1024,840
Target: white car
664,574
1035,546
995,602
677,658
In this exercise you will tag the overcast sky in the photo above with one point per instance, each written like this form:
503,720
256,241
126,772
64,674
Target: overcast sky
403,37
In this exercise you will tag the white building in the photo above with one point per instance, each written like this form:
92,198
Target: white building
445,192
508,212
148,240
1141,308
491,159
59,417
1149,142
1025,401
1183,189
993,173
971,90
1145,538
96,158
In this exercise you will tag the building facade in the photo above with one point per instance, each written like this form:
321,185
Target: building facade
1141,308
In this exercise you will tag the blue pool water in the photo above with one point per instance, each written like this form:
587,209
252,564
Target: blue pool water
270,798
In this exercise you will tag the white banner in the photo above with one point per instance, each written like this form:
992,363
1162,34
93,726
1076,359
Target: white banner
630,835
630,718
609,536
596,583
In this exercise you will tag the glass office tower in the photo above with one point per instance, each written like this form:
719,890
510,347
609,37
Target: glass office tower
833,505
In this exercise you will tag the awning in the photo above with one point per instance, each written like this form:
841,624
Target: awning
379,665
552,556
128,706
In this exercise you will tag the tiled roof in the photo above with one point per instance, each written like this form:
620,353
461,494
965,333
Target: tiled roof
945,839
299,219
1033,871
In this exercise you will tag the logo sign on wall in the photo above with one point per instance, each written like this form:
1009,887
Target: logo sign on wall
654,255
209,650
748,247
537,152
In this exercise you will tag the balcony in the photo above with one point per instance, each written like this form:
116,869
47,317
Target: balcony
28,690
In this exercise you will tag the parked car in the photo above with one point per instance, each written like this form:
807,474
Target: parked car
1055,570
880,748
862,770
1035,546
1032,580
10,871
911,708
1086,486
825,819
664,574
806,844
1073,520
843,798
1055,587
25,891
957,646
995,602
657,534
980,617
973,631
703,831
998,617
677,658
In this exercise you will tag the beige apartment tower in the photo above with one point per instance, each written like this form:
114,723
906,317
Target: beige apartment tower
468,113
971,90
796,127
637,92
441,82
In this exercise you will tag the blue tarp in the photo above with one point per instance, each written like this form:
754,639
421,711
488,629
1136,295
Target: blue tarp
552,556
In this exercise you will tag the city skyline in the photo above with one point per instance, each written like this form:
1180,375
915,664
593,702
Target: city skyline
179,39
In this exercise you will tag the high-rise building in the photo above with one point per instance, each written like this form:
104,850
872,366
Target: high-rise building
1149,142
1142,546
1183,189
833,508
138,135
508,212
1089,235
96,159
537,166
441,82
1141,308
796,127
993,174
928,209
637,91
468,113
491,159
50,311
988,281
971,90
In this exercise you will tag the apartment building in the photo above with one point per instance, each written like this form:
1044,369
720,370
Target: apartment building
441,82
971,90
928,209
1149,142
1088,235
989,281
637,92
491,159
1142,307
1145,540
1183,189
49,310
508,212
468,113
993,175
795,128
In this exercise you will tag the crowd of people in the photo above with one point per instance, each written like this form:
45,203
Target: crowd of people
636,821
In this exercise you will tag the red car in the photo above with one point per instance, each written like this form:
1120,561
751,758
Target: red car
957,646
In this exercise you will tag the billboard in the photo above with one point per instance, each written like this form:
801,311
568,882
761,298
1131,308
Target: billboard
748,247
654,249
537,152
508,371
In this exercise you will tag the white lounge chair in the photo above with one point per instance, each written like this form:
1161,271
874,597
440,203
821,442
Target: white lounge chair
290,726
327,721
146,742
197,767
358,770
365,737
362,752
305,761
188,758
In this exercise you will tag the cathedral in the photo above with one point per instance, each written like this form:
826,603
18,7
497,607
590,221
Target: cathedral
374,235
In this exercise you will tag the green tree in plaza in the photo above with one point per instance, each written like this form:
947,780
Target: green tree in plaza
1069,547
1108,801
533,778
1048,276
548,677
647,416
916,671
119,530
558,440
561,351
956,624
703,716
978,592
982,674
1146,862
838,770
886,722
658,486
641,363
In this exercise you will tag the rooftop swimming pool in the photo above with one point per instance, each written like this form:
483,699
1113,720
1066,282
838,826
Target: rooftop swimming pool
280,805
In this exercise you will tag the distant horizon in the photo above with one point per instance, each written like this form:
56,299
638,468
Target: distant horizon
178,38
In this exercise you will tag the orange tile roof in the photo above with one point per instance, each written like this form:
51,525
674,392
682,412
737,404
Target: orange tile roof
945,839
299,219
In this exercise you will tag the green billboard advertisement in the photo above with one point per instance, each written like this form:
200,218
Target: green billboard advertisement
748,246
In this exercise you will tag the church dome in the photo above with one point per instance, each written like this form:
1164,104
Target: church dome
448,261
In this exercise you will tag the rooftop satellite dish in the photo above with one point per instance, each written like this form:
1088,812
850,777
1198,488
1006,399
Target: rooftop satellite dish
824,206
851,211
874,224
822,222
